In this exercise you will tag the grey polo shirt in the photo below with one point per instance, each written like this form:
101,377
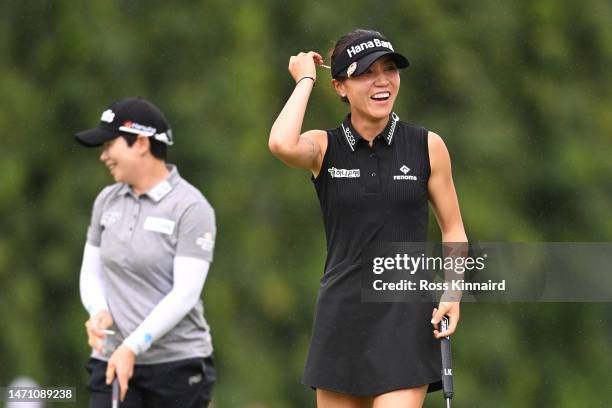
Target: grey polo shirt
139,236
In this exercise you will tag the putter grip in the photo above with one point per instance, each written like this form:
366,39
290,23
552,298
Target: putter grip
447,365
115,395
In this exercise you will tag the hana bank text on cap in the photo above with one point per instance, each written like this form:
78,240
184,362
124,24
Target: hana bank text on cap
363,52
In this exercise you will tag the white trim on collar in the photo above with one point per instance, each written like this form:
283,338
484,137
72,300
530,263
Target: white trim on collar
391,132
160,191
349,137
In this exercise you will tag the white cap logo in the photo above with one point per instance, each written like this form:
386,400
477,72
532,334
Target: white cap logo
351,69
108,116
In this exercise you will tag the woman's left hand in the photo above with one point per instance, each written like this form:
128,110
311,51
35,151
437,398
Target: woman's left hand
121,364
450,309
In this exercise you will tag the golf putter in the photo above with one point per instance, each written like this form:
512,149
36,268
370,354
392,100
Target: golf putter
115,394
115,385
447,365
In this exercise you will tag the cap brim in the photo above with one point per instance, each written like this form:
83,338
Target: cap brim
95,137
364,63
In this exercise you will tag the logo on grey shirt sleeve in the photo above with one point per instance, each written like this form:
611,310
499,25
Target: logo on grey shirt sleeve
206,242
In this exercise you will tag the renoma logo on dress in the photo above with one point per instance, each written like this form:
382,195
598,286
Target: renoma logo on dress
347,173
404,169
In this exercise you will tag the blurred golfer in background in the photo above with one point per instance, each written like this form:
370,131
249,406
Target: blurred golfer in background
149,247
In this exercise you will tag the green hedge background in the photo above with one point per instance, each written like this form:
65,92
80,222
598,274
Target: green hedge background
520,91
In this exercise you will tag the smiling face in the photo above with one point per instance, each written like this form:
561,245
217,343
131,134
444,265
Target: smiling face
121,159
372,93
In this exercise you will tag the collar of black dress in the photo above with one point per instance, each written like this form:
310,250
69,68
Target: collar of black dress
352,136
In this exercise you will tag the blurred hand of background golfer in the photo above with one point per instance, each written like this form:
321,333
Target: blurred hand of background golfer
121,363
450,309
303,65
96,323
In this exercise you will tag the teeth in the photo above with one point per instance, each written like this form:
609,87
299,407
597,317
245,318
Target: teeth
381,95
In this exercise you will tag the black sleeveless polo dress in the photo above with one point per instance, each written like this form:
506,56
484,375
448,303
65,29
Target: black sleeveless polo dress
369,348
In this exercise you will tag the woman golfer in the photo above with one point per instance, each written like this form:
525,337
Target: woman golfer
374,176
149,246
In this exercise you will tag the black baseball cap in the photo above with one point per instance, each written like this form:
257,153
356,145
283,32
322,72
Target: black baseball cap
361,53
135,116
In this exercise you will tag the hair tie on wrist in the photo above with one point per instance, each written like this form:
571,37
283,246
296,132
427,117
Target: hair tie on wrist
306,77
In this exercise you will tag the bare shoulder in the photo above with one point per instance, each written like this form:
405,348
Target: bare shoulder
438,153
435,142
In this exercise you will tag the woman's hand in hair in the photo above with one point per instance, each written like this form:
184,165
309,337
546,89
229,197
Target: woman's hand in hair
304,65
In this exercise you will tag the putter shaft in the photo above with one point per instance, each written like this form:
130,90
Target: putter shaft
447,366
115,395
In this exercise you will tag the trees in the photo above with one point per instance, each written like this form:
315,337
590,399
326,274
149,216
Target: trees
520,93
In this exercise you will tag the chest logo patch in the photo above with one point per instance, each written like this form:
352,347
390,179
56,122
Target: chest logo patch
161,225
405,176
109,218
344,173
